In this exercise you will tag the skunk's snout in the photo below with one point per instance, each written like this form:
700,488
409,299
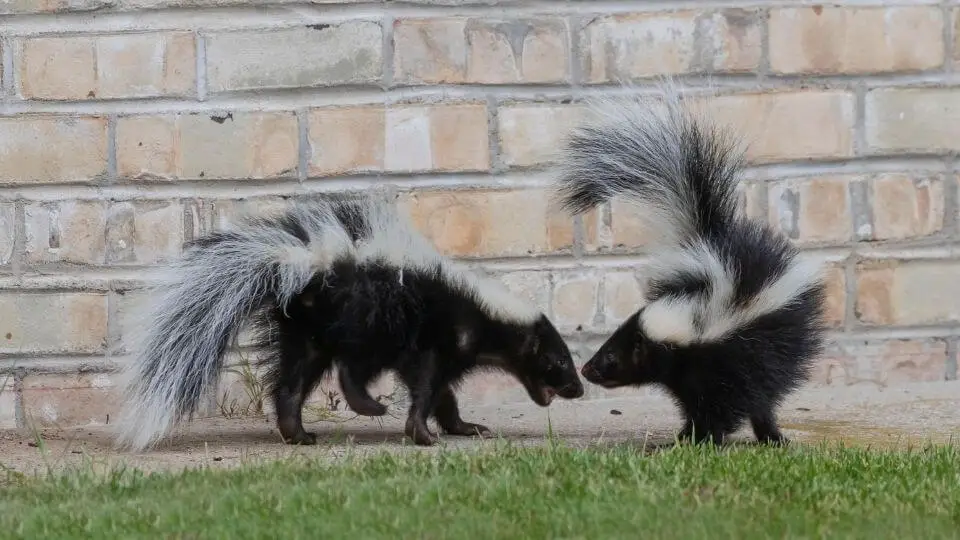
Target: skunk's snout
571,391
590,373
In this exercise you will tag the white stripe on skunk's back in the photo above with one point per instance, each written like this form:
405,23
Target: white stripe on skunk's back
673,319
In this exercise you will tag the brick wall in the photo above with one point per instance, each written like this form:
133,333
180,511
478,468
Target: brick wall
129,126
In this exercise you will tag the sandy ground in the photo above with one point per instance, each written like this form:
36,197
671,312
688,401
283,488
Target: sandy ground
858,415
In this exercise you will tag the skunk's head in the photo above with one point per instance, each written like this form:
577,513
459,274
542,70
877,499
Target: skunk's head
543,363
628,357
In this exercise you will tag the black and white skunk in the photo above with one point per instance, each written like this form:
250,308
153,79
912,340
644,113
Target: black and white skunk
732,316
350,284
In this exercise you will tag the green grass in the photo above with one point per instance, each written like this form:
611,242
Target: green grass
550,492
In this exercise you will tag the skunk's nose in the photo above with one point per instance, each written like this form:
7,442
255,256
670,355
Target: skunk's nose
590,373
571,391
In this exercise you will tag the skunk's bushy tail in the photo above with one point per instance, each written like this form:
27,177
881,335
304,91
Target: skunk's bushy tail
681,170
714,271
219,281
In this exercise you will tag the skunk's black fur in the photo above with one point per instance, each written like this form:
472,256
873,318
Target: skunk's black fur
345,284
733,318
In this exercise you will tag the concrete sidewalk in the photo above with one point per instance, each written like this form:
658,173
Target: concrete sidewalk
860,415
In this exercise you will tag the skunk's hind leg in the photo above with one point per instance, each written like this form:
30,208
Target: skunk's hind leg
700,432
764,426
300,367
448,417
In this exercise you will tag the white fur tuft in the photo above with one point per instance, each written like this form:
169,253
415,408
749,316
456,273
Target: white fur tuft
199,305
638,148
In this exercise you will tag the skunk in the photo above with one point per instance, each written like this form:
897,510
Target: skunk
732,318
345,283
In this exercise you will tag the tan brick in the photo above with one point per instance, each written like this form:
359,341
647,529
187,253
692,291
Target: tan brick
484,51
86,6
144,232
112,66
430,50
226,211
874,301
786,126
592,221
73,149
624,47
913,361
159,231
442,138
147,147
68,231
129,309
459,140
8,403
627,228
449,137
50,6
233,145
54,6
622,296
52,323
905,207
732,40
752,204
531,134
58,68
533,286
515,51
881,362
956,34
953,372
560,230
482,223
347,140
835,306
8,232
908,293
346,53
575,300
145,65
913,120
69,400
814,210
832,40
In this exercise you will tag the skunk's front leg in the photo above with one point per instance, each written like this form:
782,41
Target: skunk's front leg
701,430
421,378
448,416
